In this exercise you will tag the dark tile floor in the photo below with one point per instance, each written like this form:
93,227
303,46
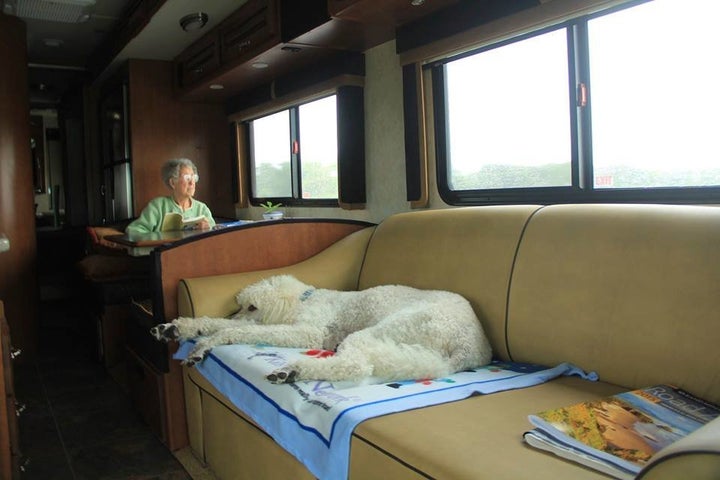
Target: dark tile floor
79,423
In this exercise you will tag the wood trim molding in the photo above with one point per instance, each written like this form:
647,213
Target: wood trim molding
416,157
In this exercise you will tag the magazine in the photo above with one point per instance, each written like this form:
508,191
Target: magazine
175,221
619,434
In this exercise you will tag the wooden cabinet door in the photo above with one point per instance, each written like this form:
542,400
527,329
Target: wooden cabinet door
9,439
247,31
198,61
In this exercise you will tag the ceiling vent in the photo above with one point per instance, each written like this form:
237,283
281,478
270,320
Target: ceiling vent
65,11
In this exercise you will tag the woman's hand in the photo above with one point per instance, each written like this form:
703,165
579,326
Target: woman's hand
203,225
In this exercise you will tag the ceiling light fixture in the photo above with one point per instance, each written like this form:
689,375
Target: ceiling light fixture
194,21
259,65
216,86
416,3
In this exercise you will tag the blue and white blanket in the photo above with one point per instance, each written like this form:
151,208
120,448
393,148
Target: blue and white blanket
314,420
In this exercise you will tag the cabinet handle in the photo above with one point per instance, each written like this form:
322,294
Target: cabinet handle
19,408
244,44
198,70
15,352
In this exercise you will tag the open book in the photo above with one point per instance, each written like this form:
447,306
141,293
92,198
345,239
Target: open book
618,435
175,221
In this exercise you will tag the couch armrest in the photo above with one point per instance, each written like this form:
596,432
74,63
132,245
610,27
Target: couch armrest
337,267
696,456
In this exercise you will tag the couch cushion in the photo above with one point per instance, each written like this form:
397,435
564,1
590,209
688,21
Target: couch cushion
630,291
98,243
477,438
469,251
99,267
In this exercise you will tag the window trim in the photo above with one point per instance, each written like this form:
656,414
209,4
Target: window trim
349,92
295,159
582,189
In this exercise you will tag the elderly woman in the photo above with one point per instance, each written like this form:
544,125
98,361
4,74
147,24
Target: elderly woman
180,176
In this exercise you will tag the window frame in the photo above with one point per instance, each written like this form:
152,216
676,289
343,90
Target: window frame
295,158
582,189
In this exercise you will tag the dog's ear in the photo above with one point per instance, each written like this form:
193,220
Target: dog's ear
286,294
287,283
281,310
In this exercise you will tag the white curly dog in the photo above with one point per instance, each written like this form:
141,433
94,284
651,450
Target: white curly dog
391,332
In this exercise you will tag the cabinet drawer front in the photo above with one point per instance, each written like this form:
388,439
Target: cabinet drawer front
202,59
247,29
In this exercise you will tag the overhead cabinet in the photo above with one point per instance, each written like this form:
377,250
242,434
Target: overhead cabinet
247,30
384,14
266,39
198,61
257,42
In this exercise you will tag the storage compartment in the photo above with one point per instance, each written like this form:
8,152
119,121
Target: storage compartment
245,31
279,35
139,339
198,61
230,459
10,457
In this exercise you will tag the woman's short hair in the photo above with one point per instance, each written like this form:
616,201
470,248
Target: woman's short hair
172,167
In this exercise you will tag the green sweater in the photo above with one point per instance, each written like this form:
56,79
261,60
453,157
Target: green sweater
152,215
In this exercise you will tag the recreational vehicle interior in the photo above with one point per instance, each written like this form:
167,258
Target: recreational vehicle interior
553,161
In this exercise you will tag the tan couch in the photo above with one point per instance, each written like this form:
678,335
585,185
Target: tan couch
631,292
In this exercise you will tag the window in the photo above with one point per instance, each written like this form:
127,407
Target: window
617,106
294,154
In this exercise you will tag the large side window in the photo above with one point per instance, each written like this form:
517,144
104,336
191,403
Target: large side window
293,154
615,106
491,97
654,75
270,156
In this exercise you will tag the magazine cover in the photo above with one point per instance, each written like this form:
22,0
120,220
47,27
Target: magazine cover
626,429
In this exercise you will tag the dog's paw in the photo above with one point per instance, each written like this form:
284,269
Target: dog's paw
165,332
283,375
196,356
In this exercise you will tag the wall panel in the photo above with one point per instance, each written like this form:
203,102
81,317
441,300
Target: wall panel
162,127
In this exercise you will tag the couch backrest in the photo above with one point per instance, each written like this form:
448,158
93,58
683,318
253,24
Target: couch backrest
465,250
630,291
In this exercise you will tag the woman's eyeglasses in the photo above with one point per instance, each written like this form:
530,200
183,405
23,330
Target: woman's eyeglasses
190,177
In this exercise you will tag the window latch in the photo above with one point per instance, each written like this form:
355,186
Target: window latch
581,95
